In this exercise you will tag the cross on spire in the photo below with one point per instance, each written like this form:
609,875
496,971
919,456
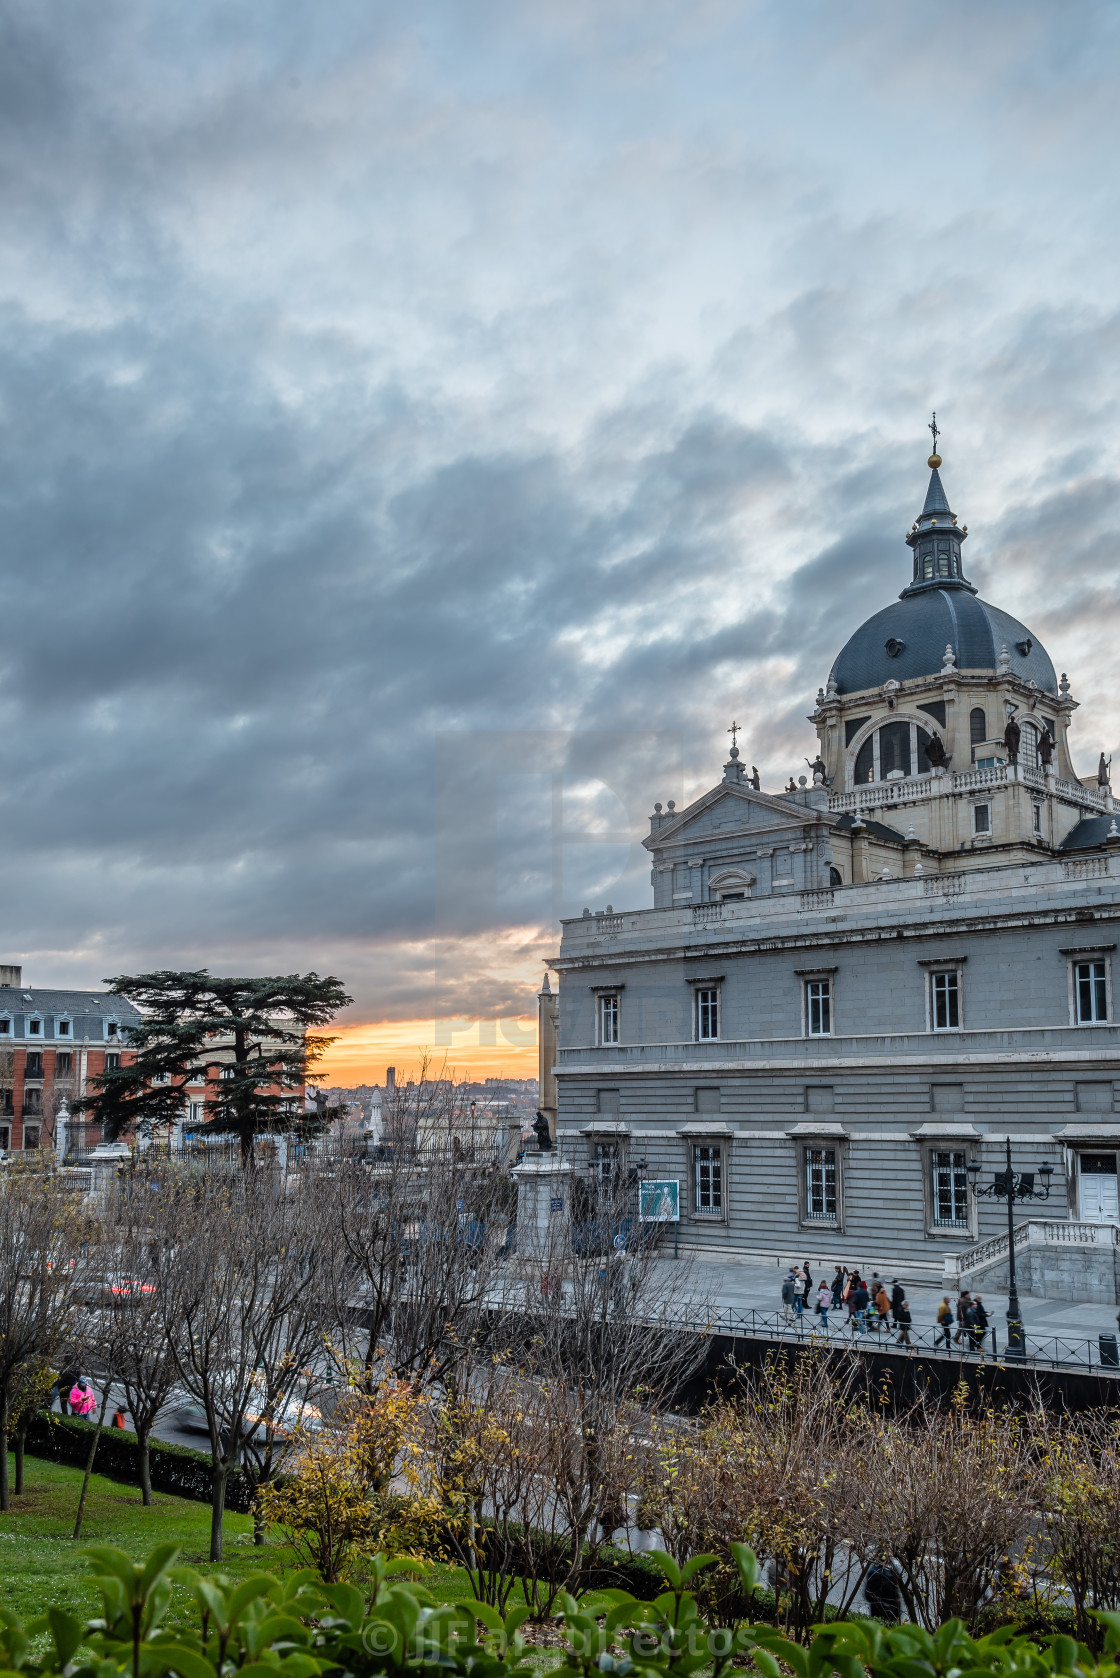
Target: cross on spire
733,731
936,433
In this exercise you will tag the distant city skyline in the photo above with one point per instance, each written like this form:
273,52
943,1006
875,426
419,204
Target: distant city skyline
427,429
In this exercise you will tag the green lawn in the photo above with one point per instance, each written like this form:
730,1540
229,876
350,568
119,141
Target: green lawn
40,1564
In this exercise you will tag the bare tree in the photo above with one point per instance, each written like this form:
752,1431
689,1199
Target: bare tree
1079,1506
229,1285
950,1498
423,1222
43,1260
290,1346
609,1329
779,1466
139,1321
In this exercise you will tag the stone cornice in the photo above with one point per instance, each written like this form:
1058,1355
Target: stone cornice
987,923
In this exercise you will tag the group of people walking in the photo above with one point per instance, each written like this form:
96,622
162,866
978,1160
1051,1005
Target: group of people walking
871,1309
970,1317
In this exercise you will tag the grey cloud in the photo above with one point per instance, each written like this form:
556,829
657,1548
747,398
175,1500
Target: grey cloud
373,391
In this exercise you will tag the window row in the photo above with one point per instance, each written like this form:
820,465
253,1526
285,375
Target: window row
948,1202
1090,1001
38,1025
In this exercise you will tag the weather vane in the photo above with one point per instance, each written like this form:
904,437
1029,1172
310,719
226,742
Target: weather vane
733,731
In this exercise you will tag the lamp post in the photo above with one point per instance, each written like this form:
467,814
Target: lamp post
1006,1186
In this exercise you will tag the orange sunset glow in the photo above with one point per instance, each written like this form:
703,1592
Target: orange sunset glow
472,1049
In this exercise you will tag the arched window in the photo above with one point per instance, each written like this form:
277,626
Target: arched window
977,726
835,878
865,762
1028,746
894,749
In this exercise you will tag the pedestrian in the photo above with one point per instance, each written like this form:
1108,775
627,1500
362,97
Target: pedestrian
860,1300
979,1323
882,1309
880,1589
799,1291
838,1287
119,1416
902,1320
824,1301
945,1323
788,1296
897,1296
964,1305
82,1400
808,1275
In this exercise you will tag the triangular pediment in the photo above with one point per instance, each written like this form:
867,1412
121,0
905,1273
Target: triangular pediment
730,808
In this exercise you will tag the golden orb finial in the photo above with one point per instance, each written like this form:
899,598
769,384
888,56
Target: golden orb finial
934,461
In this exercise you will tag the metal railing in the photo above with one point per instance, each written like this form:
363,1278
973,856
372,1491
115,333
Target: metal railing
1057,1351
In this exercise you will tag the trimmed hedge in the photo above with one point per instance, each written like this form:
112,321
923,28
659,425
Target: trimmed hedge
173,1468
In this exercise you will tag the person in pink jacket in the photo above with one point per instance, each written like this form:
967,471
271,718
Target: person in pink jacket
82,1400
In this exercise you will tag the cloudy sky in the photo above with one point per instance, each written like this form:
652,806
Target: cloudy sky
424,427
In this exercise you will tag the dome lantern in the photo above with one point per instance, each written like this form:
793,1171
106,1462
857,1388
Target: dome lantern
936,538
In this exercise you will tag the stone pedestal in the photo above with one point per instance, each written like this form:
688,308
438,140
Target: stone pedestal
104,1163
544,1202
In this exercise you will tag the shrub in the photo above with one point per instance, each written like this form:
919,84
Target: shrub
298,1627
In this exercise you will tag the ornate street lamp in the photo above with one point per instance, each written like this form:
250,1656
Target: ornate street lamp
1006,1186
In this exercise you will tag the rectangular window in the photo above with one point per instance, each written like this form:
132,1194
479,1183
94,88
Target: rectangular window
63,1028
945,1001
31,1136
63,1063
34,1028
950,1190
820,1184
1090,991
1038,818
707,1015
981,818
5,1028
32,1101
112,1029
608,1019
112,1063
818,1007
604,1160
707,1180
197,1112
33,1067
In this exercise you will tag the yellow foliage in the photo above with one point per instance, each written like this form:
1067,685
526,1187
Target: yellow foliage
356,1485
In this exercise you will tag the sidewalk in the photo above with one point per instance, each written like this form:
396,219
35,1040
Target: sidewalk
746,1287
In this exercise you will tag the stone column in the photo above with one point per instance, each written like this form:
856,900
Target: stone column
548,1041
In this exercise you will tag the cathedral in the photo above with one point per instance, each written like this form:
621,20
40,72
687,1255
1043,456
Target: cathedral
849,992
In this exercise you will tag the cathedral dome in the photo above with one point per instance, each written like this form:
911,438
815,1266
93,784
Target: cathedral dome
907,640
938,609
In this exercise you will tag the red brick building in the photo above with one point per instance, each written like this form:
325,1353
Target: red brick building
52,1042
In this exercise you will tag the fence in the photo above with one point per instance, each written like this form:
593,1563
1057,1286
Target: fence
1056,1351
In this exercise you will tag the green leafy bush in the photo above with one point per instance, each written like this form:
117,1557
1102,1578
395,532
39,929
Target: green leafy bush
297,1627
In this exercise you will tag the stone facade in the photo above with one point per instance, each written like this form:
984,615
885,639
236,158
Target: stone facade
848,991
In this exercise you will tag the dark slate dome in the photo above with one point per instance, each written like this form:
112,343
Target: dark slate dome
939,608
908,639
